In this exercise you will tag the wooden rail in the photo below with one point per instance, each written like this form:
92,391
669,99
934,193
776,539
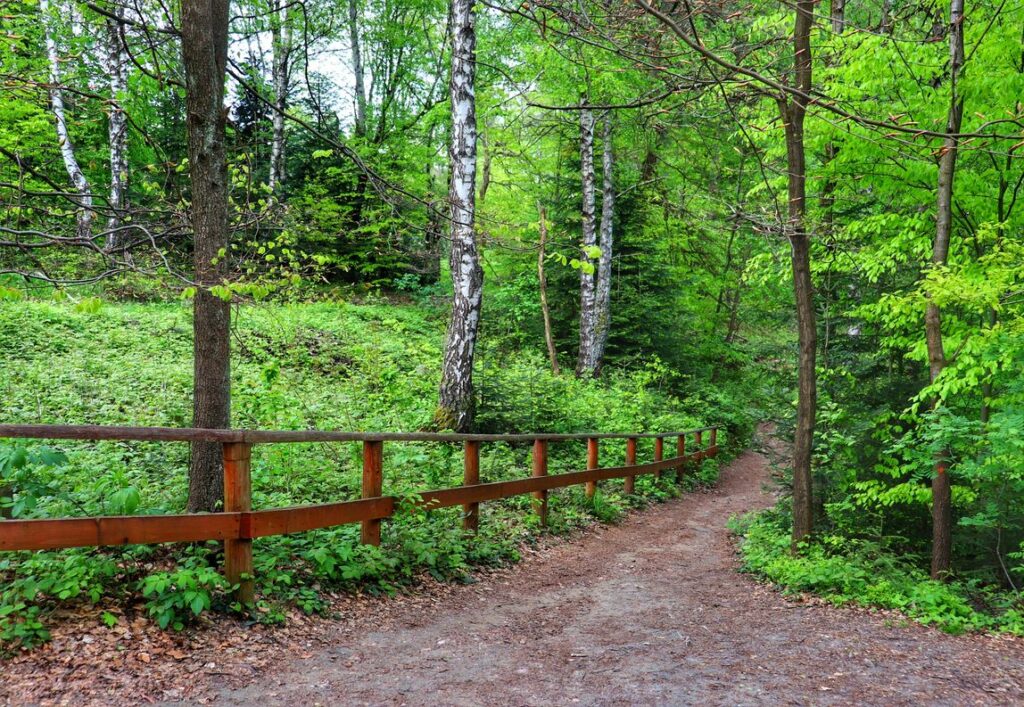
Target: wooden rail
238,524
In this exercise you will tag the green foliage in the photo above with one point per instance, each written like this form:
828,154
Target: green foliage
175,598
331,365
845,571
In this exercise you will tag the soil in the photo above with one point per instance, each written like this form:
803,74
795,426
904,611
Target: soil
650,611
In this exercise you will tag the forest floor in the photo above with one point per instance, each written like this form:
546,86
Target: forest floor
650,611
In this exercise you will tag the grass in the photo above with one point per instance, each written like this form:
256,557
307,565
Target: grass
331,365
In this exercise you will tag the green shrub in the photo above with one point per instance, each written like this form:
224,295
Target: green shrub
845,571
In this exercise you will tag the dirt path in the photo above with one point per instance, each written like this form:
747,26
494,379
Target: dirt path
647,612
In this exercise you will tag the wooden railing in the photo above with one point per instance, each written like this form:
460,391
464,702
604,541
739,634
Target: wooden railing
238,524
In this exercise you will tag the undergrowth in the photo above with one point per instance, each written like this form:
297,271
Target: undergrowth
842,570
328,366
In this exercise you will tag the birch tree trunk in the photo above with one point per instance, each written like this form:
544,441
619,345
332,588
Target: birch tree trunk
603,304
942,507
117,125
84,216
455,405
586,363
204,49
542,279
281,42
357,68
793,112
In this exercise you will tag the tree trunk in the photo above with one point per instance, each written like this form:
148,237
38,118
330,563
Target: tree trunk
793,112
586,363
357,68
204,48
549,339
942,506
838,17
85,213
117,126
281,41
455,406
603,305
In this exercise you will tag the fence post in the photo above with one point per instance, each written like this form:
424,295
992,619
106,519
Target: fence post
591,464
373,486
238,499
681,453
713,444
471,477
659,453
630,461
540,468
699,452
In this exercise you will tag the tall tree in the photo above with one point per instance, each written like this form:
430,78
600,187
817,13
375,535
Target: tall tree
85,212
116,61
586,361
455,405
542,279
942,507
281,43
357,68
204,49
793,110
603,295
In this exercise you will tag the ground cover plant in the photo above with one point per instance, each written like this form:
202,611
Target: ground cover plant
324,365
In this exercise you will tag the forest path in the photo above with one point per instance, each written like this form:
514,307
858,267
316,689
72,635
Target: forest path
651,611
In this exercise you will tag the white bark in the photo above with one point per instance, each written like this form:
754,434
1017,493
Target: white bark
586,363
357,67
603,305
281,41
67,149
117,126
455,407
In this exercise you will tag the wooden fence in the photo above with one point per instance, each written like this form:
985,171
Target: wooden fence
239,524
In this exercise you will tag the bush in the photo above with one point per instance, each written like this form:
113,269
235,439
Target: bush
844,571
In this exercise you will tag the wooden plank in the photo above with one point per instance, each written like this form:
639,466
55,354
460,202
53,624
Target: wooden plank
373,484
630,461
471,477
238,499
443,498
540,468
132,530
681,454
659,454
117,530
176,434
592,463
283,521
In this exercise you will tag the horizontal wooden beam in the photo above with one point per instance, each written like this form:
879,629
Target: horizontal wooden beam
176,434
442,498
282,521
117,530
138,530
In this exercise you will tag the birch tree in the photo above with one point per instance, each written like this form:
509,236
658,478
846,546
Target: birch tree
85,214
357,68
455,406
586,362
117,126
603,304
281,44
